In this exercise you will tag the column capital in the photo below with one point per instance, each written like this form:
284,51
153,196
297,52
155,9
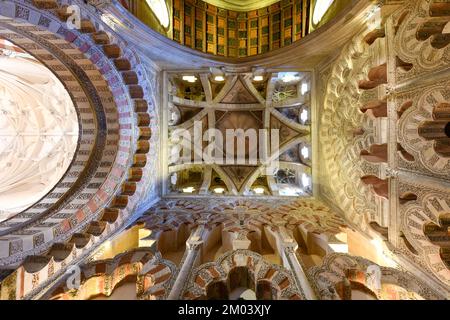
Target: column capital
286,240
194,245
195,240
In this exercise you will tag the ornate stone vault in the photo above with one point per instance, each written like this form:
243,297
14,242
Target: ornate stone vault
242,216
383,137
100,189
38,130
154,206
269,150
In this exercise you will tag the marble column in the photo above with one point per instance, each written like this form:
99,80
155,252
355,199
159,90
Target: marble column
288,248
193,246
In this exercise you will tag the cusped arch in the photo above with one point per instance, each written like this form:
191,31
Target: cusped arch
280,279
152,275
103,78
339,270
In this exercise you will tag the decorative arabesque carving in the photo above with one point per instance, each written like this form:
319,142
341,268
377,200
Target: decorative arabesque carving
421,96
415,219
426,86
244,216
339,268
152,274
412,47
413,83
345,132
424,150
279,278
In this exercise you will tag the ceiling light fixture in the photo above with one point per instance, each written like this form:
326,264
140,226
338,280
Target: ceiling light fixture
306,180
304,88
259,190
219,190
189,190
258,74
320,9
305,152
219,78
190,79
159,8
304,115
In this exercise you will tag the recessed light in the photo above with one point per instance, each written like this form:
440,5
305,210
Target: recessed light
304,88
305,152
190,79
320,9
259,190
159,8
188,190
219,78
304,115
258,78
219,190
306,180
173,179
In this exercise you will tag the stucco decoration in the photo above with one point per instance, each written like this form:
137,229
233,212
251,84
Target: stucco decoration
152,274
413,48
420,99
424,151
344,131
415,218
90,61
422,90
339,270
280,279
246,215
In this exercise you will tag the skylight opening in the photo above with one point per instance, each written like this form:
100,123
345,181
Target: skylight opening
320,9
159,8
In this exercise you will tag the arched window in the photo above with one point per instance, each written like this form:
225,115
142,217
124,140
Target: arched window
320,9
159,8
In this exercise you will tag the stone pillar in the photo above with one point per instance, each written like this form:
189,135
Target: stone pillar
193,246
288,248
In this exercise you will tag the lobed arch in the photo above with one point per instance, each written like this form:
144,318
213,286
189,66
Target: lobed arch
246,225
102,75
340,273
210,274
424,226
152,275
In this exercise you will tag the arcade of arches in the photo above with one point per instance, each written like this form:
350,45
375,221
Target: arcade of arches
222,149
